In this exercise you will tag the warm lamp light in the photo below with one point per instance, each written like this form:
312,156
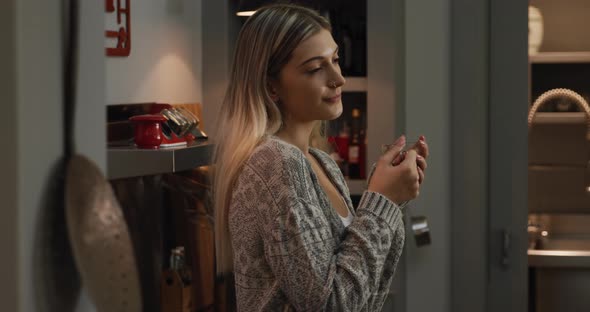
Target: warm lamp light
245,13
248,7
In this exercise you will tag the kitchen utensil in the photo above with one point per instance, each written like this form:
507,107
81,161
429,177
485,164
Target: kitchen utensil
96,228
175,128
189,123
100,239
196,131
176,122
559,93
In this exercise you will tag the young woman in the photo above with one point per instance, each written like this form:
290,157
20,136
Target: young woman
285,224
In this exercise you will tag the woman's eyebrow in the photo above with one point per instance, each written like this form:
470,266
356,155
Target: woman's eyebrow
315,58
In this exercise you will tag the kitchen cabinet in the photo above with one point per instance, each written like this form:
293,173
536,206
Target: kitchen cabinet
559,172
563,60
557,138
550,70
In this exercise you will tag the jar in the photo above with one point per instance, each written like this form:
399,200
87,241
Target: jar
535,30
148,130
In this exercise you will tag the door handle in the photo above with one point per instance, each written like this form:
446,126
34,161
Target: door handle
421,230
506,238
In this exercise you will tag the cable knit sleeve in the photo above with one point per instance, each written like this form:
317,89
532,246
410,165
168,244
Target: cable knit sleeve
300,249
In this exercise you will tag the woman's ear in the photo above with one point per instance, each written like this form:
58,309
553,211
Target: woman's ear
272,91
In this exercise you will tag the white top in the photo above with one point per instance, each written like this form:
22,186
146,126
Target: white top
346,221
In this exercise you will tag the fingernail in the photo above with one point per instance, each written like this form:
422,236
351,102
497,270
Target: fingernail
422,138
418,157
401,140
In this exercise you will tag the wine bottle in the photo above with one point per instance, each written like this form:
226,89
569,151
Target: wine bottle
354,146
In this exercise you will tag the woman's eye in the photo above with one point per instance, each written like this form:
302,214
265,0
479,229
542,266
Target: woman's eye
336,60
315,70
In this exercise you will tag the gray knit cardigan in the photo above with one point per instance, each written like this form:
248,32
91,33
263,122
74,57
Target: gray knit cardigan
291,250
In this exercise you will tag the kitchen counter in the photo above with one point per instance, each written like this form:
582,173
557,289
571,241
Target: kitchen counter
130,161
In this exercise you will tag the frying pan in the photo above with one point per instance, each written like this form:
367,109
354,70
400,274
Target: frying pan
97,230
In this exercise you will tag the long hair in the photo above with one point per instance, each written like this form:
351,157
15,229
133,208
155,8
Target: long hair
265,44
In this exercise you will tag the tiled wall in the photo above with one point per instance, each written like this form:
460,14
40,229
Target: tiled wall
558,168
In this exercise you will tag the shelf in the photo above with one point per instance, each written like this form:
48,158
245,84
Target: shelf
355,84
356,186
559,118
559,258
126,162
560,57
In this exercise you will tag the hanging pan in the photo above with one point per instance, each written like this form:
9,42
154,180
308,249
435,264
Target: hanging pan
97,230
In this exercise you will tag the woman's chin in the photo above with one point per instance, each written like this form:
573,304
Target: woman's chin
335,111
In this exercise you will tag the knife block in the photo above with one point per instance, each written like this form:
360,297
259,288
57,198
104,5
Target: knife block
176,294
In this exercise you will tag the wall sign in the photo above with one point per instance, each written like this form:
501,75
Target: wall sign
123,34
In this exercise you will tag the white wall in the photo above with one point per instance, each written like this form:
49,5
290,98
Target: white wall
164,67
38,149
166,52
218,33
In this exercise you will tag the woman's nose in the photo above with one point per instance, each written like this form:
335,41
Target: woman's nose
338,80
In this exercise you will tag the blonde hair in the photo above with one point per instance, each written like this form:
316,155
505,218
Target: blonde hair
248,114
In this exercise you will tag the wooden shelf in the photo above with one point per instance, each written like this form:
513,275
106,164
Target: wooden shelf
560,57
559,118
355,84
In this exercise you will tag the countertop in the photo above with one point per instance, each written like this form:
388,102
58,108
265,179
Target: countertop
130,161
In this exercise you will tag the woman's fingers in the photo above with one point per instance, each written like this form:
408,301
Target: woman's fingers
399,173
410,160
425,150
394,150
399,158
420,175
412,173
421,162
421,147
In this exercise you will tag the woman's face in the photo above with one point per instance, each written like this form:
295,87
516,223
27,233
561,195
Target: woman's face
309,85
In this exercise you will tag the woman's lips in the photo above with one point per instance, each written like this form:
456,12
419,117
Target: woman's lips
333,99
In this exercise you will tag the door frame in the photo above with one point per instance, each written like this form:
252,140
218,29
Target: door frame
508,156
489,155
470,89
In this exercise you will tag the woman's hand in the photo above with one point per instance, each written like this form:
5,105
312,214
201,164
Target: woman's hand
421,148
397,174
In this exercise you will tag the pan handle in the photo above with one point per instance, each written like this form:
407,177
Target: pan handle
70,66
